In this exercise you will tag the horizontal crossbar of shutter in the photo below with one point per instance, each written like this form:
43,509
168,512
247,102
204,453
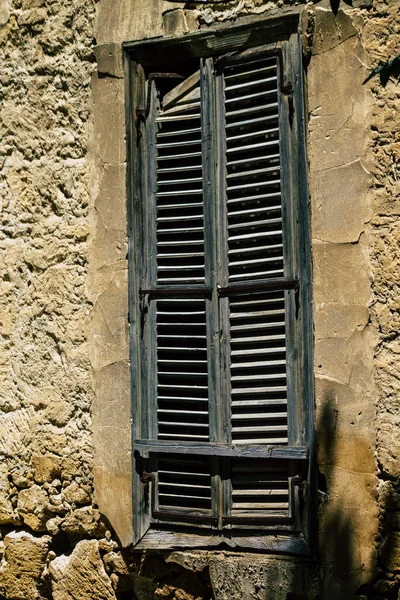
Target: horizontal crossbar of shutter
178,292
183,517
211,449
261,285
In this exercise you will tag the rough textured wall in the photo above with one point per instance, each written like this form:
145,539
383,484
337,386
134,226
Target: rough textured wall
45,390
381,33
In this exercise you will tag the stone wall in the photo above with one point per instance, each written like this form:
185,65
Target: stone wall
65,514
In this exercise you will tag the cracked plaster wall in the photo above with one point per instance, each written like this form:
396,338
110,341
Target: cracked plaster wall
64,322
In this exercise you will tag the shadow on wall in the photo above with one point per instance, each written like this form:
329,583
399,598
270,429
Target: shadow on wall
339,534
336,537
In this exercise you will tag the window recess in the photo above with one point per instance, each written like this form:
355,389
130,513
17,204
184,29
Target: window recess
220,310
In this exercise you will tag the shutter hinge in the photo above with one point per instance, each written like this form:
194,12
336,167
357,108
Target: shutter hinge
144,308
287,90
297,301
146,478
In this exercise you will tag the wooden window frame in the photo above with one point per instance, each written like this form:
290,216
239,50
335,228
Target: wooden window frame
283,38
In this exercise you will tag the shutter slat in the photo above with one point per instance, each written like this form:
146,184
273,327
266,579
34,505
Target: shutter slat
257,492
179,156
253,83
177,144
260,428
186,485
259,403
189,437
180,193
182,108
177,118
256,261
259,416
263,363
263,93
176,399
258,390
257,339
252,146
256,235
235,174
251,223
250,378
186,205
246,73
164,134
179,412
178,169
180,181
246,111
255,249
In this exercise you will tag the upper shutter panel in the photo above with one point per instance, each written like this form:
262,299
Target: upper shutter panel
179,186
253,183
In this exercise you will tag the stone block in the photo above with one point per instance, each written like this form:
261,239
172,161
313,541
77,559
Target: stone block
174,23
335,283
108,332
110,199
23,565
390,552
340,211
253,577
331,30
46,467
112,441
33,16
4,12
109,120
7,512
32,506
340,106
109,60
81,576
85,521
134,20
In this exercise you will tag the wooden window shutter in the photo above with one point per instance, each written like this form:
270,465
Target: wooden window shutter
258,287
219,446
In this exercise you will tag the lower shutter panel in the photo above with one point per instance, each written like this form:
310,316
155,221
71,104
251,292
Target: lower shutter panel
258,368
260,490
183,486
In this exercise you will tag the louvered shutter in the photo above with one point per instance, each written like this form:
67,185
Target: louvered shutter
218,302
257,313
177,306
